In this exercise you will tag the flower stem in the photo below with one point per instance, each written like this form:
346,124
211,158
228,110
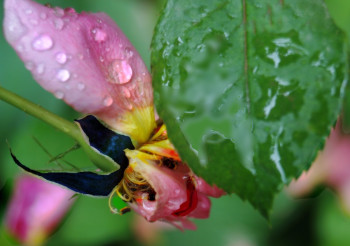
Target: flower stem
69,128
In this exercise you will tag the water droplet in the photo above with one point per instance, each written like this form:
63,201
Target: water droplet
81,86
99,35
59,12
81,56
129,53
108,49
34,22
126,92
102,59
59,24
63,75
42,42
14,25
120,72
20,48
129,106
43,16
40,68
107,101
59,94
61,57
29,65
28,11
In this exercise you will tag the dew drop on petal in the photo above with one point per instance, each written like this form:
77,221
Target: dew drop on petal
14,25
34,22
129,106
126,92
59,12
42,42
81,86
63,75
20,48
120,72
29,65
40,68
61,57
107,101
99,35
102,59
129,53
43,16
28,11
59,94
59,24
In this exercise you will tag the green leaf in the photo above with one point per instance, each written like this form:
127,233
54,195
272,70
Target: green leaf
248,90
340,12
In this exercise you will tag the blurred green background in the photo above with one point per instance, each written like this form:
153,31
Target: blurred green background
318,221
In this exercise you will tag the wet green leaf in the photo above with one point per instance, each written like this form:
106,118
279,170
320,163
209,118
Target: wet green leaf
340,12
249,90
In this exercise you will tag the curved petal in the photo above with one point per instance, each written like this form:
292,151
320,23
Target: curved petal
98,73
169,186
202,211
208,190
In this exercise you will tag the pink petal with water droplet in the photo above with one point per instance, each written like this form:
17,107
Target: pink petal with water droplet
35,209
83,41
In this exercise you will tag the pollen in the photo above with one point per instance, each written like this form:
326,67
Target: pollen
157,151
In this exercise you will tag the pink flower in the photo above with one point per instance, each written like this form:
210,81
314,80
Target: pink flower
86,60
331,168
35,210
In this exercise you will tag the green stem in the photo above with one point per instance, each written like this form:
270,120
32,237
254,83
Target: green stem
69,128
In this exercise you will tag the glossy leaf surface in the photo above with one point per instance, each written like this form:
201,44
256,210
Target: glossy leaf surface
249,90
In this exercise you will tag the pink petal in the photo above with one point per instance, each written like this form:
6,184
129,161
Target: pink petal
35,209
170,189
203,209
84,59
208,190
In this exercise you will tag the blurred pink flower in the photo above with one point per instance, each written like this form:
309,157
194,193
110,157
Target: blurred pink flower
86,60
331,168
35,210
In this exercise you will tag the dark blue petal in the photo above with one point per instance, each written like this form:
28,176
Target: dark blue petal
88,183
106,141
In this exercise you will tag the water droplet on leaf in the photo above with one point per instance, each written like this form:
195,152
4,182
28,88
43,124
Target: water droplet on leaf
42,42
